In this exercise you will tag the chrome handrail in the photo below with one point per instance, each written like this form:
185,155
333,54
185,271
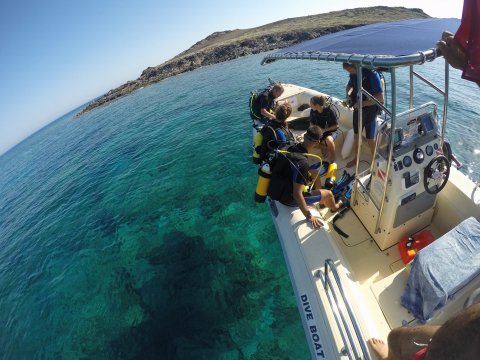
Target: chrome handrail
341,316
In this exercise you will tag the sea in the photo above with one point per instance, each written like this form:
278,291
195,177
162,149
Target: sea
131,232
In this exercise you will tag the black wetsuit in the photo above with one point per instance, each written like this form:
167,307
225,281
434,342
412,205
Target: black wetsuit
287,169
372,83
324,120
263,100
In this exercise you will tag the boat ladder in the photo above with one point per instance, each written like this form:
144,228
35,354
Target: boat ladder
355,346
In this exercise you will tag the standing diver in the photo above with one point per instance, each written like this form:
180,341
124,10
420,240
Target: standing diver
372,83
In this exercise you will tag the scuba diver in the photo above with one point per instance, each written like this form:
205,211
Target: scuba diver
322,115
372,83
263,103
274,135
290,178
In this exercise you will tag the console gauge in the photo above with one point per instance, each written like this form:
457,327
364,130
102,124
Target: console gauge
407,161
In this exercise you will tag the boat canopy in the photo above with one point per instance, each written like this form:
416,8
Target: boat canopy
388,44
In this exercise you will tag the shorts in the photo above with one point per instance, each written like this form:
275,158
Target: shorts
333,134
369,122
309,199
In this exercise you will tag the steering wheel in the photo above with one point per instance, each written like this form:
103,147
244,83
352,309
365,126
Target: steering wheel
438,170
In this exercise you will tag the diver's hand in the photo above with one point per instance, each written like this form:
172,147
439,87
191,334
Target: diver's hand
315,221
452,51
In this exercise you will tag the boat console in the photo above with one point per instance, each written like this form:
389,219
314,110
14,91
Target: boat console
397,197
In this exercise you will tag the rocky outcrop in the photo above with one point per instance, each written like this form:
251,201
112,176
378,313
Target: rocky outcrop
228,45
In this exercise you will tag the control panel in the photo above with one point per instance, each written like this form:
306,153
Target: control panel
400,191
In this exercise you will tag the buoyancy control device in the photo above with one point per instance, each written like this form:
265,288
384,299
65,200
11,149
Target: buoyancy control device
261,150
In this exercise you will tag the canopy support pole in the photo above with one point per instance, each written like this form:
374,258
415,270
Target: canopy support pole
411,88
359,96
390,147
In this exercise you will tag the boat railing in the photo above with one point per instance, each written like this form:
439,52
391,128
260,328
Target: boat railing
355,346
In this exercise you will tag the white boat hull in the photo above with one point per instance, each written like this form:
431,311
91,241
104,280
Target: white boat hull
372,277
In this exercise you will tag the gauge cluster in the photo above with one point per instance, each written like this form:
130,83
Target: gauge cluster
418,156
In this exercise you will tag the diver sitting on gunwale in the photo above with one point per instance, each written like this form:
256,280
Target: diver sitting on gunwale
274,135
262,105
291,174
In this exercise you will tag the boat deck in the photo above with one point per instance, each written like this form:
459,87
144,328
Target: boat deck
373,280
380,275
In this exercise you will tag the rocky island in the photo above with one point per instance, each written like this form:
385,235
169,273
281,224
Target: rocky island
231,44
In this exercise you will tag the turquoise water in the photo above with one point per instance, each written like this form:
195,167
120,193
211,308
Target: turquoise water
131,232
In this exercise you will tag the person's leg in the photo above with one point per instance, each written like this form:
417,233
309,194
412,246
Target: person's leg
327,199
370,118
315,173
403,342
330,149
371,145
458,338
379,348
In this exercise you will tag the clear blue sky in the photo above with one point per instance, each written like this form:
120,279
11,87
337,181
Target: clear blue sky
56,55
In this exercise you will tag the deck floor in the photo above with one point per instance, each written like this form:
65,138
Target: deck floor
380,274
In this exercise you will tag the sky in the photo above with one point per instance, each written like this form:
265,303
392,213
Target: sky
56,55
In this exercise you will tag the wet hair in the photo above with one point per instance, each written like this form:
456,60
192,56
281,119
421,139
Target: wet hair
283,111
347,66
278,86
314,134
318,100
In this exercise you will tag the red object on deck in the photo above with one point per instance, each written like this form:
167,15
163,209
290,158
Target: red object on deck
409,246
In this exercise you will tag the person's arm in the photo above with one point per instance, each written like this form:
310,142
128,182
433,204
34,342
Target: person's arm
369,102
298,196
332,121
267,114
348,90
376,84
453,53
349,94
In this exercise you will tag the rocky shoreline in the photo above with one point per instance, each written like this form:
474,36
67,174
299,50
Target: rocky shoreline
229,45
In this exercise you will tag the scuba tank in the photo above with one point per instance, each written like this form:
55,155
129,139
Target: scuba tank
331,176
264,174
261,150
257,142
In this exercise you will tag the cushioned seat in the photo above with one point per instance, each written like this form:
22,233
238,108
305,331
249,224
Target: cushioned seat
442,268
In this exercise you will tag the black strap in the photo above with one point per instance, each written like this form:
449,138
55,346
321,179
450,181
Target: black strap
339,216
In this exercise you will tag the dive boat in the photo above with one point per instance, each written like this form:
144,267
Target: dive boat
407,252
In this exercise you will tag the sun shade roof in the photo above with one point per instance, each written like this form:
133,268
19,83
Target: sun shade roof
389,44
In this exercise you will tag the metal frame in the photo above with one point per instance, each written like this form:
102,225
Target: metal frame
372,62
341,316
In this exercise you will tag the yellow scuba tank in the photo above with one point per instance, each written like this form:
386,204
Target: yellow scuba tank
331,176
257,142
264,174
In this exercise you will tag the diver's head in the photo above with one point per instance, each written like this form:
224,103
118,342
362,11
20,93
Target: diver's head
313,137
282,112
317,103
352,69
277,90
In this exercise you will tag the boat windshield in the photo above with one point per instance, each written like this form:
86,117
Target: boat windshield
412,128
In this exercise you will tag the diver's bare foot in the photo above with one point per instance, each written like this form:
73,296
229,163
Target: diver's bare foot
351,163
380,348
